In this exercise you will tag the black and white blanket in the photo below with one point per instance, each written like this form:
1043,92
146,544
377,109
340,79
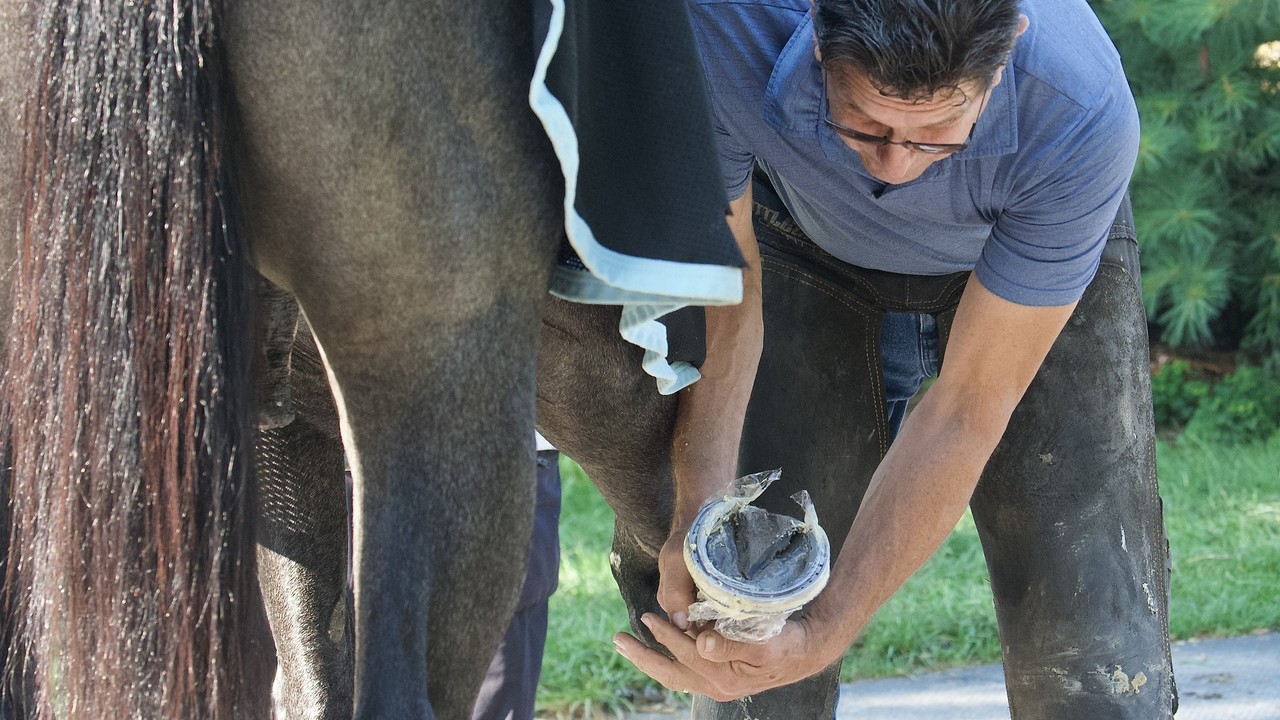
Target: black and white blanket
620,91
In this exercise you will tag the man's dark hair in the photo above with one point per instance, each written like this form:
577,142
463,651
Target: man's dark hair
913,49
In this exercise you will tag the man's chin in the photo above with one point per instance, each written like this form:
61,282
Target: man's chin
894,179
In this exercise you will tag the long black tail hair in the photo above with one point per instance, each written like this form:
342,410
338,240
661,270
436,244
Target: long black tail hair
128,360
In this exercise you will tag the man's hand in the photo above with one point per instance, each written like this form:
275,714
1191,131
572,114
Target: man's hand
723,669
676,591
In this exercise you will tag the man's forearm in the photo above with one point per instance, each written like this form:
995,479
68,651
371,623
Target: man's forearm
709,426
712,411
914,500
921,488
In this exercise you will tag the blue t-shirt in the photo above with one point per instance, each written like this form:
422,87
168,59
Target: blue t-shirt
1028,203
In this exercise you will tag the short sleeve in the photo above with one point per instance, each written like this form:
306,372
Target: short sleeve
1046,245
736,163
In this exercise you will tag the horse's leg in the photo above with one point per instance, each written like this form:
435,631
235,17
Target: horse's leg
302,524
598,407
437,412
409,208
820,426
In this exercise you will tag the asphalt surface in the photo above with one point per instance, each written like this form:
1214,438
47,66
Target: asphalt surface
1231,679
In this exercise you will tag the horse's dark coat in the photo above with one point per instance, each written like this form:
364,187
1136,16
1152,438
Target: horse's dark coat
394,180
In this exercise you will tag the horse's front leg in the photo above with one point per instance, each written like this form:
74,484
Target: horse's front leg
597,405
411,210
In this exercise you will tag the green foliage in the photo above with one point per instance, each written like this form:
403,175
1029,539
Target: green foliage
1208,171
1263,252
1176,394
1243,407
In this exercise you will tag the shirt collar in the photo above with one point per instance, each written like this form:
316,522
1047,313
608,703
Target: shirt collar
795,100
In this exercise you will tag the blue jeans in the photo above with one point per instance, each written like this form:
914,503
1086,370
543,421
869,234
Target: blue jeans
909,351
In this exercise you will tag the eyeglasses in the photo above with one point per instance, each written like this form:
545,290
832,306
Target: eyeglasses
882,140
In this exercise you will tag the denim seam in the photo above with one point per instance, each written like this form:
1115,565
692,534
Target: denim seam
909,304
877,379
847,272
922,346
809,251
1122,230
1134,273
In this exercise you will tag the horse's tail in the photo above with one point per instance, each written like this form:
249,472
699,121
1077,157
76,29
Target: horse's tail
128,366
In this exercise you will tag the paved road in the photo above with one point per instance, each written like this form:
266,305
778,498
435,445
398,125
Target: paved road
1233,679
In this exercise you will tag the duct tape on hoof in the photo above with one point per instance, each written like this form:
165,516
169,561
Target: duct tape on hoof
753,568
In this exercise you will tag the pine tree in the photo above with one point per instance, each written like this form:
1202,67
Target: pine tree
1206,189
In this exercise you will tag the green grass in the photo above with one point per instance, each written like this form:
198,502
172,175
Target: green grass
582,674
942,616
1222,513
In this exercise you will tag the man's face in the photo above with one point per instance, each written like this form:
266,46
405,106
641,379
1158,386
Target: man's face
946,119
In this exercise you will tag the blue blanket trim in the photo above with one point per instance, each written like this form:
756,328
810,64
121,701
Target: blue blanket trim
639,324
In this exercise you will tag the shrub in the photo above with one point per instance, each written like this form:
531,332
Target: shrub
1176,393
1206,76
1243,407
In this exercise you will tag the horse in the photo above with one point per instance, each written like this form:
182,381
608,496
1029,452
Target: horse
411,210
412,213
302,526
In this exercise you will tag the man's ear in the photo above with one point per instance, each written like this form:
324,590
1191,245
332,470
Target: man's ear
1023,24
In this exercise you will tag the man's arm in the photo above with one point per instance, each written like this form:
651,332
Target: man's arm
913,501
922,486
712,411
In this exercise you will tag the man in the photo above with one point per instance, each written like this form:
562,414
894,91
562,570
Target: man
948,174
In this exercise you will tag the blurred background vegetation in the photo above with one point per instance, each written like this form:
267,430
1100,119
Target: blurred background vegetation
1206,194
1206,76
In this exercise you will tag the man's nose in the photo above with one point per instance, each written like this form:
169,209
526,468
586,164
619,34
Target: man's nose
895,162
